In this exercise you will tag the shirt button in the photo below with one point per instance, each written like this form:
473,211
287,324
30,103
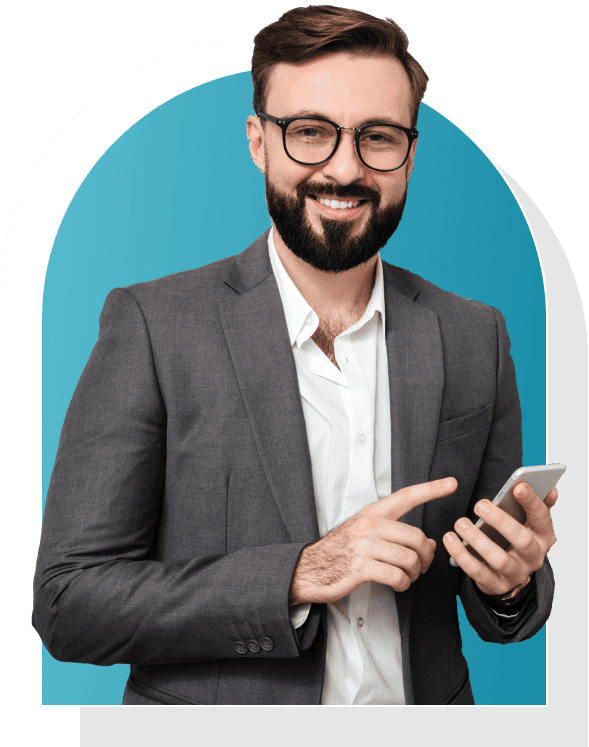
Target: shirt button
360,622
361,438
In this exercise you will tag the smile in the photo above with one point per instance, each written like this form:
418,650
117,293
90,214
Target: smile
334,208
339,204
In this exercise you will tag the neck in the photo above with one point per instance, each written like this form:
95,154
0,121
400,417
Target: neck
329,294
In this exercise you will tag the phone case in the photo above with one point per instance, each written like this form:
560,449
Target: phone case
541,478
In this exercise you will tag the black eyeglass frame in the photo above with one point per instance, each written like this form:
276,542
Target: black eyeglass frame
283,123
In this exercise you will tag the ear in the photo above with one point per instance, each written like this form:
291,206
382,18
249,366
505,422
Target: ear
255,135
410,157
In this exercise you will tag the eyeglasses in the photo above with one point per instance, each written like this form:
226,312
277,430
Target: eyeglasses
313,140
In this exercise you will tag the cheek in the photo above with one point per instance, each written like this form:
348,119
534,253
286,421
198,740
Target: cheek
390,187
285,173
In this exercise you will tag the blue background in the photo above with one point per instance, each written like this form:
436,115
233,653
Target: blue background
169,195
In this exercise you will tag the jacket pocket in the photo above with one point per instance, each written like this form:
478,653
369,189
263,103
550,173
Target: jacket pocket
465,424
139,693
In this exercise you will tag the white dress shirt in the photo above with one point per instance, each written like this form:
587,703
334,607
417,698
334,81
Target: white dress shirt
347,419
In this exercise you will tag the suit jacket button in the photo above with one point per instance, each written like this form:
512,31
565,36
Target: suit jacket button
253,646
240,647
267,643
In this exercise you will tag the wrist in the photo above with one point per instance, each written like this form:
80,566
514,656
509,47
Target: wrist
513,596
296,589
512,593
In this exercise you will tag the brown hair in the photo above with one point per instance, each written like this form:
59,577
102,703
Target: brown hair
305,34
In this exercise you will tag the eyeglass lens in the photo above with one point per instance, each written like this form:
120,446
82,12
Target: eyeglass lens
312,140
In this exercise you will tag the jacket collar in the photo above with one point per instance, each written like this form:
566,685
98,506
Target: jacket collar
249,268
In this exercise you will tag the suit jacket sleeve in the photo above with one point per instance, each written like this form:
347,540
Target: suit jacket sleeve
503,454
99,596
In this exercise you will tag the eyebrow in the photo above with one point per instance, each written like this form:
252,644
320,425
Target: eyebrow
318,115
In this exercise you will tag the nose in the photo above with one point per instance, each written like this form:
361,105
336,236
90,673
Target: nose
344,166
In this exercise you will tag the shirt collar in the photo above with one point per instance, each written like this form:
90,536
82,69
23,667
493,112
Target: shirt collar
301,320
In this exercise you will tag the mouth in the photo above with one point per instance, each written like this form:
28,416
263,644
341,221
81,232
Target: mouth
336,208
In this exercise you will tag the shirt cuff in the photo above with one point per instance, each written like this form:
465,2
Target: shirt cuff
500,614
298,614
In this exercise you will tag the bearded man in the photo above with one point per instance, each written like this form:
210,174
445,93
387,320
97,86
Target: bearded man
269,461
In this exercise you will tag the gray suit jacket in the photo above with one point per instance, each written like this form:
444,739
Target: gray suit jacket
182,493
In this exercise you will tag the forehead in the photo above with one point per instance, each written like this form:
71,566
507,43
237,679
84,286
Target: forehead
344,87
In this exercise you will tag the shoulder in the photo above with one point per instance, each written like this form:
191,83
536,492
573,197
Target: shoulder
178,299
206,286
446,304
206,283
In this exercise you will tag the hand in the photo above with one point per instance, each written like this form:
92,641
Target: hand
504,571
372,545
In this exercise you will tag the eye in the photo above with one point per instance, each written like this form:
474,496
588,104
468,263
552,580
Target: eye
376,137
383,137
312,133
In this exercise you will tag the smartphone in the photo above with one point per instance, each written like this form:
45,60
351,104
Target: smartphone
541,479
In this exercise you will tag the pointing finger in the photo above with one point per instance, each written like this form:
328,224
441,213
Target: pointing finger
400,503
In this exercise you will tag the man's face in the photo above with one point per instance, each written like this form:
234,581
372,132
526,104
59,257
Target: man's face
351,91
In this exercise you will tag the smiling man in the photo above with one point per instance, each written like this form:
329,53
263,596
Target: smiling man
337,214
268,462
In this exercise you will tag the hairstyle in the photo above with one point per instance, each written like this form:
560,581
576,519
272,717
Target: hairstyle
305,34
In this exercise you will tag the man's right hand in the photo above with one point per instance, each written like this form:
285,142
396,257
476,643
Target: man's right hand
372,545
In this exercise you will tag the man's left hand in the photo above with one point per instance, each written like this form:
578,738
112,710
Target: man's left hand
504,570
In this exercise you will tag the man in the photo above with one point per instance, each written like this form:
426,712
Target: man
264,461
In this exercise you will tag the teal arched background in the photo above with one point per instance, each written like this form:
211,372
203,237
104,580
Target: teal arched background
178,190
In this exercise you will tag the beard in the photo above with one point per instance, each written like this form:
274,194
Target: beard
336,250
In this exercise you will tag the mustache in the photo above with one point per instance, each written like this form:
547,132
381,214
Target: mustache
345,191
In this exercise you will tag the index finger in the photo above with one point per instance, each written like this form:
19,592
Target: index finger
400,503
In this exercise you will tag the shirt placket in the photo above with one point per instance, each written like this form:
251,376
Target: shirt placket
321,385
353,350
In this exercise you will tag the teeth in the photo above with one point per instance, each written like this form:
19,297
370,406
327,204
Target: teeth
338,204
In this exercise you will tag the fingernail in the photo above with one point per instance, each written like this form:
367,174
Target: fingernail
462,524
522,491
449,537
482,506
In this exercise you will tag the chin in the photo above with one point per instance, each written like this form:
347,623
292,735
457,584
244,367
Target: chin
332,246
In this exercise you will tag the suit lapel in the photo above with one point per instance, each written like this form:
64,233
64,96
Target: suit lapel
255,329
416,382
